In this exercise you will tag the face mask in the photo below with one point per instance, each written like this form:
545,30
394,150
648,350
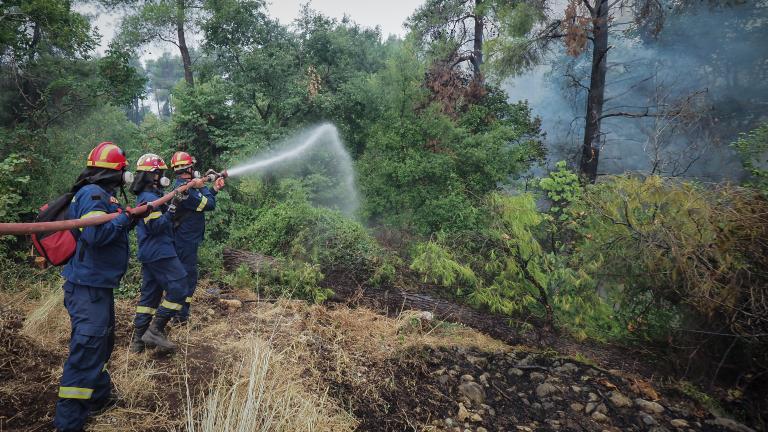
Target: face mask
127,177
165,181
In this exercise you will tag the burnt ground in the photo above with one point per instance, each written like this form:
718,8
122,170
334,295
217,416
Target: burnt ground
28,374
409,387
458,389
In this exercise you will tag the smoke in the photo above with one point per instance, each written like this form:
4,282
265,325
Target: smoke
708,65
316,155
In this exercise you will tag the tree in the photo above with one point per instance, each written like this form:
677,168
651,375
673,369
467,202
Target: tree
160,20
587,26
456,31
163,74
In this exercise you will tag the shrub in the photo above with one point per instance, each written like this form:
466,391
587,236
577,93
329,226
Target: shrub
753,149
297,230
680,261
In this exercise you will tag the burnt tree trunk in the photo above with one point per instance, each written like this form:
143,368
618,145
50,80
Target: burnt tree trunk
477,54
593,137
185,58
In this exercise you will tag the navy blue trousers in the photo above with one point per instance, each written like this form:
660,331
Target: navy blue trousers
188,256
85,382
164,275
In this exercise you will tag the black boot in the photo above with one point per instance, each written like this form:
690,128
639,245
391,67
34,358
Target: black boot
155,334
137,345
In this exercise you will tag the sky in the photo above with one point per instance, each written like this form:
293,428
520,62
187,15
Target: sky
389,15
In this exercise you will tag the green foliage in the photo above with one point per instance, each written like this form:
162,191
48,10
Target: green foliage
676,253
295,229
753,149
430,173
291,279
563,187
438,266
119,79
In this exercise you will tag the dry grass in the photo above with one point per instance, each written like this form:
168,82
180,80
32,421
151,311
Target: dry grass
267,366
261,393
48,321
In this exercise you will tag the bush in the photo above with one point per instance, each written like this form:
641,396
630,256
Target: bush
679,260
295,229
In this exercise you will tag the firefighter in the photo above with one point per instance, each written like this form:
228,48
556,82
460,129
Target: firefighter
161,269
189,223
99,263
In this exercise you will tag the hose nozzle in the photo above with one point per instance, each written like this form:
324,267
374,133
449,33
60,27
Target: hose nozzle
212,175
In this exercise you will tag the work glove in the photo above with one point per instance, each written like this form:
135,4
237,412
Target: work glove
136,215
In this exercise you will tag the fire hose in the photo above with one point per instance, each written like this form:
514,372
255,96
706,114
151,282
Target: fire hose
63,225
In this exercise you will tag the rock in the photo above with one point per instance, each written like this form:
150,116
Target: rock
515,372
480,362
590,407
463,414
476,418
443,379
649,407
449,422
647,419
548,406
619,400
231,305
527,360
482,429
484,379
537,377
599,417
467,378
425,316
593,397
210,311
440,371
489,409
731,425
576,389
602,408
473,391
567,368
524,428
546,389
577,407
679,423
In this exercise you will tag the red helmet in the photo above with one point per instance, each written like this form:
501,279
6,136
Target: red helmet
181,160
107,155
150,162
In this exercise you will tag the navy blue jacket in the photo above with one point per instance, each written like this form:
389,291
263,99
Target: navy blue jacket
102,250
154,232
191,217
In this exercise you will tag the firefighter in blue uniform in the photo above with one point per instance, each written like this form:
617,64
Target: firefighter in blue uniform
189,222
160,267
91,275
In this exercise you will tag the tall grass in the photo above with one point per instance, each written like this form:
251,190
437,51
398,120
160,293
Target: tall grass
261,393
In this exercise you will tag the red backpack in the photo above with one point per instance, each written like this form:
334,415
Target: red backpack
56,247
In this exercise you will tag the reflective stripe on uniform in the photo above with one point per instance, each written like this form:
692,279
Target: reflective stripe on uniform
169,305
145,310
92,214
203,203
188,299
153,215
75,393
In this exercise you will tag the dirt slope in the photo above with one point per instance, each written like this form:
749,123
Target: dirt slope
351,369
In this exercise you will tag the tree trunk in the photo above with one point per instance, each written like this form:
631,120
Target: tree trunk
185,58
477,55
592,136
